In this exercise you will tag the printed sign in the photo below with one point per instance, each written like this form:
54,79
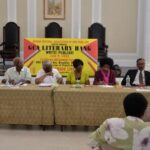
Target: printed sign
61,52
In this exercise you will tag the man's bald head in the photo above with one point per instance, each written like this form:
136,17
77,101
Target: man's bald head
18,63
47,66
17,60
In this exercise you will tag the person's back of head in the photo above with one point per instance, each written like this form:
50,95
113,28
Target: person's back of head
135,105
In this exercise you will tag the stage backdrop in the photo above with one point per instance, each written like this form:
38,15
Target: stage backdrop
61,52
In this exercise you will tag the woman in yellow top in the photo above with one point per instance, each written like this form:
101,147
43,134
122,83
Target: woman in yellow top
78,75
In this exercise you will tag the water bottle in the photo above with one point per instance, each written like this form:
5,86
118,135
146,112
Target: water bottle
128,81
77,83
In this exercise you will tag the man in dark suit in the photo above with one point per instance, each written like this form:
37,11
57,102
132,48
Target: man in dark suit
138,77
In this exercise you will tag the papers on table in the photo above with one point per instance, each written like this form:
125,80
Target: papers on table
143,90
106,86
45,85
77,85
13,86
9,86
48,85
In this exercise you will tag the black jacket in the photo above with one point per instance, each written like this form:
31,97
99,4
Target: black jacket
132,75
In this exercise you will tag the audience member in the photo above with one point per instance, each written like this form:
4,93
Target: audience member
78,74
138,77
48,74
129,133
105,75
17,74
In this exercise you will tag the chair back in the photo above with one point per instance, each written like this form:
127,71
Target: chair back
97,31
53,30
11,39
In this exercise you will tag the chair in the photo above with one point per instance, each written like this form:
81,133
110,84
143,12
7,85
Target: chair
96,30
53,30
11,42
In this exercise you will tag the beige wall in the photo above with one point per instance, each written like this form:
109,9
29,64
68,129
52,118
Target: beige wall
3,17
120,19
65,23
118,16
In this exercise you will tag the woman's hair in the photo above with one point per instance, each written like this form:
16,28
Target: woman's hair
77,62
106,61
135,105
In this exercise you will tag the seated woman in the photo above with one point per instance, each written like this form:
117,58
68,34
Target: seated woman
78,74
105,76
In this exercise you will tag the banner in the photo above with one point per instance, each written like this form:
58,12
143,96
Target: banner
61,52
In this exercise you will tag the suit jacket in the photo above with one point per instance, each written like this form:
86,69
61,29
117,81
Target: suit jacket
132,75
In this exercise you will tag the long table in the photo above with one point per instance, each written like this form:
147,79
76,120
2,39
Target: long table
29,105
63,105
89,105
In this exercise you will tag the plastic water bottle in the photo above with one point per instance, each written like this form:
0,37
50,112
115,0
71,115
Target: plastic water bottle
77,83
128,81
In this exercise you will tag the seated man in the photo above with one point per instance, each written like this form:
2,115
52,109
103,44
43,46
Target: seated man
48,74
17,74
138,77
129,133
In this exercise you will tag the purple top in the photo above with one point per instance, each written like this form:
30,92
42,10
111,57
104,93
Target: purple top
99,77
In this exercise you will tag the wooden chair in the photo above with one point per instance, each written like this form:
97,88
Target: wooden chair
11,42
53,30
97,31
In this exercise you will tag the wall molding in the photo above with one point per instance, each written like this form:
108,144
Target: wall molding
76,19
31,18
11,10
124,59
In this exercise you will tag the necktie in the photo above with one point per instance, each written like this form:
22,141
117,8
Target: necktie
141,78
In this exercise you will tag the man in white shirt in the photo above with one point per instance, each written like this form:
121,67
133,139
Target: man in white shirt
48,74
139,76
17,74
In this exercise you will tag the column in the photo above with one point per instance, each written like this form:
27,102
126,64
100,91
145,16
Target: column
31,17
146,37
76,19
96,11
11,10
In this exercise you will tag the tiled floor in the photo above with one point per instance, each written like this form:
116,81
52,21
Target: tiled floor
21,138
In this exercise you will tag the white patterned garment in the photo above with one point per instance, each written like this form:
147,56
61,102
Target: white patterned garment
128,133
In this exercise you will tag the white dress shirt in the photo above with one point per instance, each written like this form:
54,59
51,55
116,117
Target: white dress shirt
136,80
49,79
13,74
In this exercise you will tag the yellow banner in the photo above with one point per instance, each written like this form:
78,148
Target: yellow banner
61,52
